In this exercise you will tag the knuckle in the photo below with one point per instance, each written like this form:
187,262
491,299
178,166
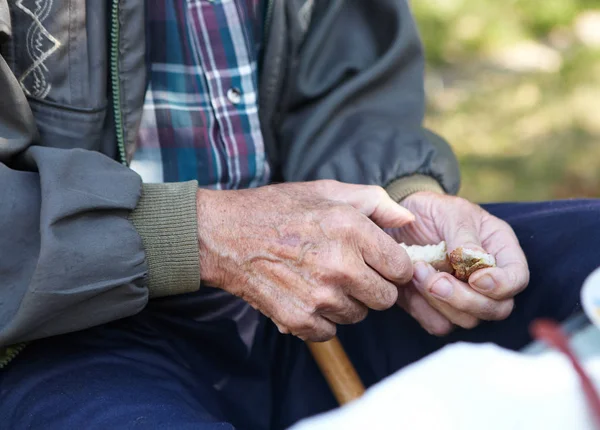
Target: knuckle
324,334
282,329
357,314
323,299
501,294
390,296
458,203
494,310
521,278
292,322
327,183
505,309
307,326
441,329
488,310
385,296
378,191
298,323
326,187
502,225
465,204
468,322
527,276
342,218
403,267
328,266
362,314
463,225
342,273
315,330
460,200
334,273
320,276
343,318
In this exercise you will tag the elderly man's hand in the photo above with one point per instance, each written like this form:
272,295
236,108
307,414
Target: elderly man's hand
438,300
307,255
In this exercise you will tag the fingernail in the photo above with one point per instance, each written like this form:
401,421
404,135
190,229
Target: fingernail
485,283
442,288
421,271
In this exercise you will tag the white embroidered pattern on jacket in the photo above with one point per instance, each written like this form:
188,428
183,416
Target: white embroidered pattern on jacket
40,45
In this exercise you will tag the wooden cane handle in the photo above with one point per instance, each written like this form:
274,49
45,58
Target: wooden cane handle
337,370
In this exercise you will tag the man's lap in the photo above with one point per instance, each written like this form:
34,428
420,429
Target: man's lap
162,367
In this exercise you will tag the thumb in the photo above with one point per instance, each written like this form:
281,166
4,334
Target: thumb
389,214
374,202
461,230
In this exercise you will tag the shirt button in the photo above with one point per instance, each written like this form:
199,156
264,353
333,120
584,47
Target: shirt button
234,95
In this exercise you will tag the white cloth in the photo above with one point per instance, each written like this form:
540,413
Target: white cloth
472,387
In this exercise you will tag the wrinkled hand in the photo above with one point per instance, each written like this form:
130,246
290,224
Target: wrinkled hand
307,255
438,300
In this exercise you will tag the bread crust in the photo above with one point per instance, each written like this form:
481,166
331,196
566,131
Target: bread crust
466,262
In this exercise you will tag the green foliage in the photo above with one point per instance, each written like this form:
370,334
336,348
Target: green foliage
520,133
453,30
541,17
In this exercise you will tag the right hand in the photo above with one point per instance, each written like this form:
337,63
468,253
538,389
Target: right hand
307,255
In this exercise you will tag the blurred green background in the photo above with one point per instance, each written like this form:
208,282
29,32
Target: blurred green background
514,85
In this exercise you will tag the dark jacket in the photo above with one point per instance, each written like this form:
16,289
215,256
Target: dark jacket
82,240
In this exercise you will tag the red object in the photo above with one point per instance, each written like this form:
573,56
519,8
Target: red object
550,332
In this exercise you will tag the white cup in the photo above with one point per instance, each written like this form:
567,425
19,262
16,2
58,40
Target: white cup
590,297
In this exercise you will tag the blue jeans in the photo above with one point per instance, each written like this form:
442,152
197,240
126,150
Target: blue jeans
167,368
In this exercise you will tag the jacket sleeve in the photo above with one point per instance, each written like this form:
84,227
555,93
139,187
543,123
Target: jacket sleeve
72,254
354,105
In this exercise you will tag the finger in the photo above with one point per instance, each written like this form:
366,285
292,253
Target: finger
372,201
428,317
381,252
344,310
423,273
501,283
386,213
280,326
512,273
315,328
456,317
460,296
461,227
296,320
368,287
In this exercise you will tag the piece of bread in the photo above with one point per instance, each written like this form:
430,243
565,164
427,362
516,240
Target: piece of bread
436,255
467,261
461,262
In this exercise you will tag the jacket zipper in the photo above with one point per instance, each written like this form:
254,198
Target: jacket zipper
8,353
114,79
268,18
267,85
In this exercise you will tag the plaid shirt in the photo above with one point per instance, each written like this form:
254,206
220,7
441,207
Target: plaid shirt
200,118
